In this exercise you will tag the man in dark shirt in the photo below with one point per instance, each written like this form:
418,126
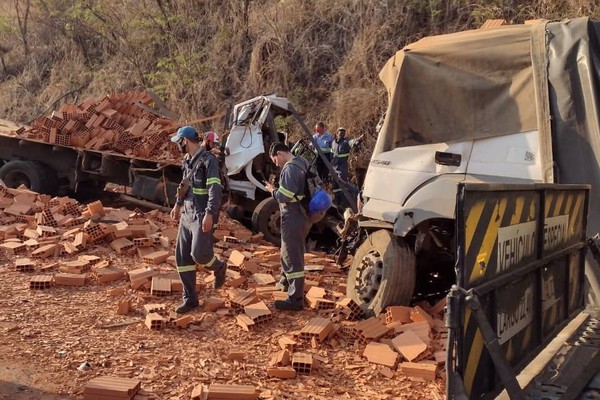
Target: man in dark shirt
294,223
197,209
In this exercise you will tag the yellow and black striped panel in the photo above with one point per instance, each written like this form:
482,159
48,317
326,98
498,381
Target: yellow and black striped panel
511,214
576,276
499,232
563,219
513,318
553,285
477,371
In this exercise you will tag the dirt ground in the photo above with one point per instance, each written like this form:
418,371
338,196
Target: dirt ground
21,381
45,335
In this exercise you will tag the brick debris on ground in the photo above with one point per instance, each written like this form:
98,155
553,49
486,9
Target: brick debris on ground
88,283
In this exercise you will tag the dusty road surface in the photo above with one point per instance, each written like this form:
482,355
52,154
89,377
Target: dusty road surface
19,380
46,334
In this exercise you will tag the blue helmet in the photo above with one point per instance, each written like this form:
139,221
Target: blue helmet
319,202
188,132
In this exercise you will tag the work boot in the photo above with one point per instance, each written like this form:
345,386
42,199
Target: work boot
185,307
220,274
289,305
190,297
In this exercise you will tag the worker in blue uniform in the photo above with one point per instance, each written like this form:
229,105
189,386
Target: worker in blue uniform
295,223
341,148
197,210
324,140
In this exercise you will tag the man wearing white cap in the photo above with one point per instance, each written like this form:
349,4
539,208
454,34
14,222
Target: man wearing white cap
197,209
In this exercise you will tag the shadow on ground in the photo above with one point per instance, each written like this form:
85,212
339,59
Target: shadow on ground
17,391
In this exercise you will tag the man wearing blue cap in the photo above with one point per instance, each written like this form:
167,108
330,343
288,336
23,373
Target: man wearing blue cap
197,209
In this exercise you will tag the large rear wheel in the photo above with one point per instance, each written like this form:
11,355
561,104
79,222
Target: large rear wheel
382,273
33,175
266,219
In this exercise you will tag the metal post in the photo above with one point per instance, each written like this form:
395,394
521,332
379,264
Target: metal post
455,388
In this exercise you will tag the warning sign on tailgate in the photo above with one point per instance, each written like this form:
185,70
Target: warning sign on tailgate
515,244
555,232
508,324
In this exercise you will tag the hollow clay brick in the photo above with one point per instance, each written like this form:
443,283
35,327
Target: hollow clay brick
233,392
424,371
379,353
281,372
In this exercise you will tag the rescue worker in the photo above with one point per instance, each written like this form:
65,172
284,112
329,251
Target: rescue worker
294,223
341,148
324,140
197,210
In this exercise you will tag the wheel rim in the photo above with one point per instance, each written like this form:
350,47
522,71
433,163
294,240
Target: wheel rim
14,179
274,223
368,276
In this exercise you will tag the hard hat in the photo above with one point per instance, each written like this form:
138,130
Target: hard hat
211,136
319,202
340,129
188,132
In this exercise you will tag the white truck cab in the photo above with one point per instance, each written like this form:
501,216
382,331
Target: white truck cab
511,104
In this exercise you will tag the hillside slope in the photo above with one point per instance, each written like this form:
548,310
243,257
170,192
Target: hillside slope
202,55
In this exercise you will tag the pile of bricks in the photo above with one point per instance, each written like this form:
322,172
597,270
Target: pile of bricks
120,122
410,340
414,341
60,242
50,237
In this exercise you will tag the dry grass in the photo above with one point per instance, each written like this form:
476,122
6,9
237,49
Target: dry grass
324,55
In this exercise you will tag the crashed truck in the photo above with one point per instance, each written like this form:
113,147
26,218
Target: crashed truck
485,167
59,169
253,128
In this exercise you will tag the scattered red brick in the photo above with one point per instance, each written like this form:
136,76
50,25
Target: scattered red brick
111,387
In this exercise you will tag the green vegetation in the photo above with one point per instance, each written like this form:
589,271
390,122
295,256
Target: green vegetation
202,55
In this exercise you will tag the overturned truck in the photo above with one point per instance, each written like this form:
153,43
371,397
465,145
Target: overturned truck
122,140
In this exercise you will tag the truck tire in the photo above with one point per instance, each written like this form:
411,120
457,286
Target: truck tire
31,174
383,273
266,219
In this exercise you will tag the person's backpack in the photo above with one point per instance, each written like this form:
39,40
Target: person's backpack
316,200
225,189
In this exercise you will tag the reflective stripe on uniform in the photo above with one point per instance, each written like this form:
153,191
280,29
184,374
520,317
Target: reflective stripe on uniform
186,268
199,191
211,262
343,155
285,192
325,149
297,198
337,190
295,275
213,181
